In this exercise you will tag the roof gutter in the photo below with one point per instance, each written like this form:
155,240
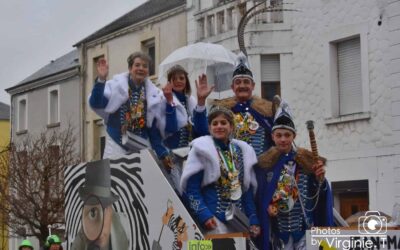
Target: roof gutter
43,81
133,27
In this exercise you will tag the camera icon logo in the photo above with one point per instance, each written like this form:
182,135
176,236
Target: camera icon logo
372,223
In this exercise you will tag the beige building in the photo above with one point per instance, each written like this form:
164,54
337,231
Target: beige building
156,27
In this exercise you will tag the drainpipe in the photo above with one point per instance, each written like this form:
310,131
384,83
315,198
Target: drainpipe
83,139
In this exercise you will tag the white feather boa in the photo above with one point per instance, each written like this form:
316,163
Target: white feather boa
182,115
203,156
116,91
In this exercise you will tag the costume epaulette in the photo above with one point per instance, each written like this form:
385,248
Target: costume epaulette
227,103
262,106
305,158
269,158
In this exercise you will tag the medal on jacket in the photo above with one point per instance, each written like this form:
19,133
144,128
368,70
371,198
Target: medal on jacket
253,126
286,193
285,206
235,188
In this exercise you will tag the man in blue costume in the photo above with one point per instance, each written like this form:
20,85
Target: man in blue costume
253,115
292,193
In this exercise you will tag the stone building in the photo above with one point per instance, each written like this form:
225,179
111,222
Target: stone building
337,63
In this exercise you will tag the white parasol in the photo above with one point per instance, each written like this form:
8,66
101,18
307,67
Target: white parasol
212,59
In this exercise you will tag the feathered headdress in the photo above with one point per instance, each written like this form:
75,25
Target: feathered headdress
283,117
242,68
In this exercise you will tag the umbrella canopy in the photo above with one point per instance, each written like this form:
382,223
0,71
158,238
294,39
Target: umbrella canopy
213,59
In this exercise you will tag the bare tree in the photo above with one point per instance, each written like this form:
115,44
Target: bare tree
32,182
3,215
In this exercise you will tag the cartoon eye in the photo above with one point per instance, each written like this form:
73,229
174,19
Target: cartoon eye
181,229
93,213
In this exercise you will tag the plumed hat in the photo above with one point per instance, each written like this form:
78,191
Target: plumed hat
242,68
283,117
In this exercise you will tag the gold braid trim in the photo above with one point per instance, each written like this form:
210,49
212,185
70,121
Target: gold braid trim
303,156
262,106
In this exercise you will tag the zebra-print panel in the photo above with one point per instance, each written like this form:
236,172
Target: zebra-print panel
74,177
127,183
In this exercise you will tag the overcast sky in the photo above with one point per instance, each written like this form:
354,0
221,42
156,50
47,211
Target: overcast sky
34,32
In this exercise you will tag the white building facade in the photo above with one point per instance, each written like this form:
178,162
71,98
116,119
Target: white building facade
337,63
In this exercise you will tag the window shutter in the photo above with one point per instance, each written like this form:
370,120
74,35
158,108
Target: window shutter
349,76
270,68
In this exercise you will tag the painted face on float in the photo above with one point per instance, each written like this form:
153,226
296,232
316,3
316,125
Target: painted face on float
96,222
182,231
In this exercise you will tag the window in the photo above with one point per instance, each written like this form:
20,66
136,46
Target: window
347,74
149,47
210,25
229,19
242,9
270,76
270,16
22,117
22,157
102,146
277,16
220,22
54,152
55,168
53,105
95,60
200,29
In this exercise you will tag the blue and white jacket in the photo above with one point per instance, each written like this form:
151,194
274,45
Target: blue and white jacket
200,176
172,120
107,99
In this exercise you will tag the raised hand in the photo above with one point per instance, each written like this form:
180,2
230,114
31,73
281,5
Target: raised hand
102,69
254,230
168,163
167,90
203,90
210,224
319,170
167,216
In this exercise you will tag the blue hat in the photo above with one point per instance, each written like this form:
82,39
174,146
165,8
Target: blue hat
242,68
283,118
